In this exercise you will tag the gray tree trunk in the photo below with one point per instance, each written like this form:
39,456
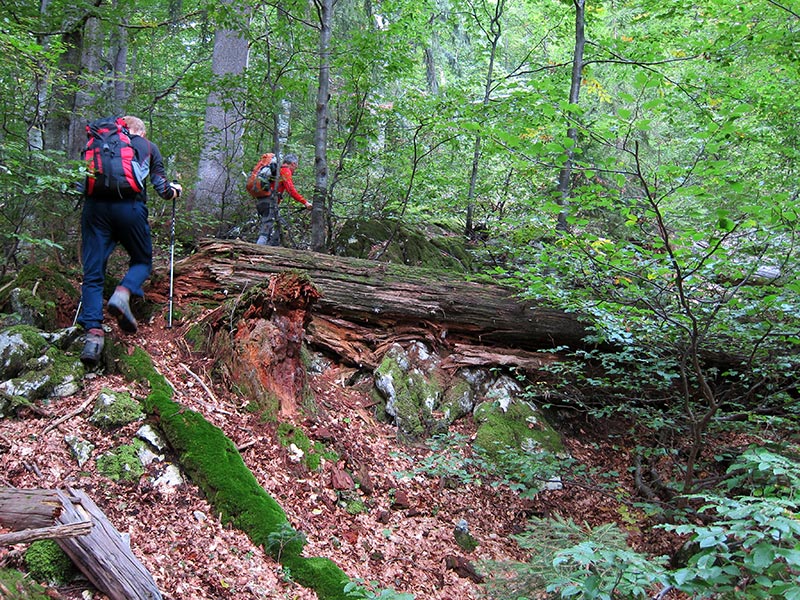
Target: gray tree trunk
63,129
119,61
430,72
218,187
493,34
565,175
325,11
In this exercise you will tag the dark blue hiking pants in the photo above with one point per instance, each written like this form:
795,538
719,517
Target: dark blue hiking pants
104,224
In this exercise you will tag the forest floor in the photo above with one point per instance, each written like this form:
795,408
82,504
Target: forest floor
398,545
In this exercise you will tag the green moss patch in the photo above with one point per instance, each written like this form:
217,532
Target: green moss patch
410,395
432,248
122,463
37,293
216,466
48,563
14,585
115,409
518,427
313,452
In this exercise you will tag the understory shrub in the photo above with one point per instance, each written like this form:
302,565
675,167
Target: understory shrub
746,545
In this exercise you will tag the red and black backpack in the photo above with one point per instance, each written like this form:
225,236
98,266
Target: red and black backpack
112,164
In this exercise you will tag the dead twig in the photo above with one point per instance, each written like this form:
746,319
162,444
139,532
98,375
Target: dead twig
45,533
68,416
200,381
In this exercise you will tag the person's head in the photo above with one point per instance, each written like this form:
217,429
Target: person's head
135,125
290,159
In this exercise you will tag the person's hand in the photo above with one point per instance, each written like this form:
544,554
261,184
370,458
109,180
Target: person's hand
309,206
176,188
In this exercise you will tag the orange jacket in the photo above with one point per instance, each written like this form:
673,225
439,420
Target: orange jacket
285,184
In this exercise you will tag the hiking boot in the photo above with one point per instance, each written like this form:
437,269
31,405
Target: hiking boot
118,305
92,347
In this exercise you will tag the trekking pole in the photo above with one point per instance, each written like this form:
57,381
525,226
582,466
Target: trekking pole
171,261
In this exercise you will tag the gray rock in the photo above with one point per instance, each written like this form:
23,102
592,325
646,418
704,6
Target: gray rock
80,449
115,409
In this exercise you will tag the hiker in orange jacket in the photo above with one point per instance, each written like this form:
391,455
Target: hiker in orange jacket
271,221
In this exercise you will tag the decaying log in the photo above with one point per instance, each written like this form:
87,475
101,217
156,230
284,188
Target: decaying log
26,536
378,296
464,355
99,551
28,509
102,555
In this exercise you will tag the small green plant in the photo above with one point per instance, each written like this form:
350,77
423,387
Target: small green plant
353,505
450,458
751,547
516,469
574,561
283,536
747,546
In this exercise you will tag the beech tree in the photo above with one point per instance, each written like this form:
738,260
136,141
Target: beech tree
218,169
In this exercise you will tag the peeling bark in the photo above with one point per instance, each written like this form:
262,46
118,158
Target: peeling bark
267,342
366,305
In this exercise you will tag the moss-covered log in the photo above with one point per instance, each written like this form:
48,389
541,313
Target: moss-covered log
376,295
215,465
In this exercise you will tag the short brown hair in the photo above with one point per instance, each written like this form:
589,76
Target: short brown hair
135,125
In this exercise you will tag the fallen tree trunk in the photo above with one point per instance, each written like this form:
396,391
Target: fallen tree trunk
378,296
103,555
83,532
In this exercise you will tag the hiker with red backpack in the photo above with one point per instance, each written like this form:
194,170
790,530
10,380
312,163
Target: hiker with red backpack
268,188
119,157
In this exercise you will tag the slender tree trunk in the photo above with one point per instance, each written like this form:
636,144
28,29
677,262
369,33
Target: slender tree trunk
325,11
281,136
430,72
493,34
218,180
565,175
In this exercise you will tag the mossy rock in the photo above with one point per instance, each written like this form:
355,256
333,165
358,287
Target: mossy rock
122,463
115,409
410,395
19,344
519,427
37,295
458,400
32,369
15,585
